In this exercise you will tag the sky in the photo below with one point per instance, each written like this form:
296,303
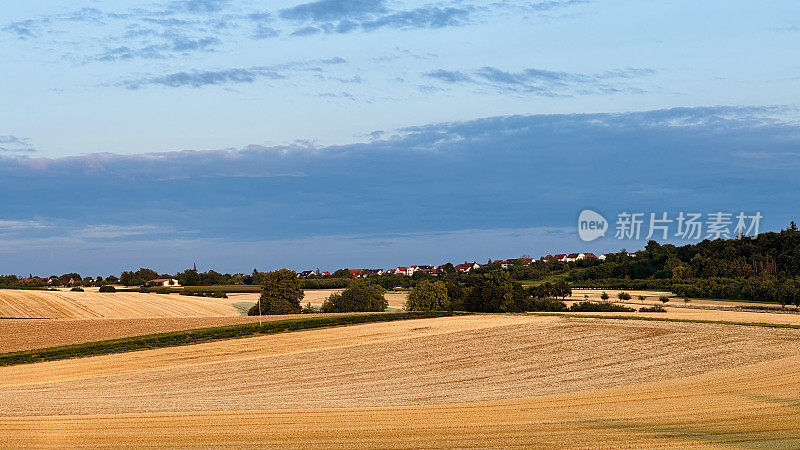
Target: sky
377,133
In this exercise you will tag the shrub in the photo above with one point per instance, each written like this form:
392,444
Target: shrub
604,295
428,296
308,309
642,298
211,294
599,307
663,299
624,296
654,308
360,296
280,294
161,290
547,304
77,289
107,289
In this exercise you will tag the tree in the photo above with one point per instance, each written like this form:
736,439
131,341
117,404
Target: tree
449,268
663,299
342,273
428,296
280,294
138,278
562,289
494,291
188,277
624,296
642,298
360,296
604,296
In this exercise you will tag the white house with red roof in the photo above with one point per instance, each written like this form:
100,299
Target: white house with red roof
466,267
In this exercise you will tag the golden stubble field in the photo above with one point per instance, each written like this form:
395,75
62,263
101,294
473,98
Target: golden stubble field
498,380
37,319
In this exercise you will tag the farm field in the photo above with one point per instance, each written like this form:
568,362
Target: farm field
457,381
26,304
29,334
652,298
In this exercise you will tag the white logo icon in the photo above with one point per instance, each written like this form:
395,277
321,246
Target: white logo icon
591,225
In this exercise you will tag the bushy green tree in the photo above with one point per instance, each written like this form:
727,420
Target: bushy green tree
428,296
280,294
624,296
360,296
494,291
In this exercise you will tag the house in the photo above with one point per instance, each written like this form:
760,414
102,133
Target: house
504,263
466,267
306,274
166,282
589,256
401,270
602,257
561,257
355,273
549,258
525,261
326,274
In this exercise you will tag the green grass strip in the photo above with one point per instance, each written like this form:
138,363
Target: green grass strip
201,335
669,319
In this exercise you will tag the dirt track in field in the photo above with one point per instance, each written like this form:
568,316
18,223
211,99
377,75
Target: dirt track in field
477,380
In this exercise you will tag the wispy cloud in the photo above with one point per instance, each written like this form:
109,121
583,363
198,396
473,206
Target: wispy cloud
204,78
544,82
116,231
333,10
201,78
15,144
20,225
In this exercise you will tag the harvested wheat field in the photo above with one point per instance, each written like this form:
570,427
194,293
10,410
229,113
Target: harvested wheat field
457,381
29,334
94,305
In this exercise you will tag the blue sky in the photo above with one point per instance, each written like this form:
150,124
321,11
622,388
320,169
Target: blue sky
339,133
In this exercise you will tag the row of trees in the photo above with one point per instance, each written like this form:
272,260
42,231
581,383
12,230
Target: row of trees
281,294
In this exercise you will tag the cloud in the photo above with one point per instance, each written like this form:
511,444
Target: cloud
333,10
199,6
15,144
544,82
116,231
449,76
198,79
201,78
265,32
509,172
306,31
425,17
19,225
23,29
